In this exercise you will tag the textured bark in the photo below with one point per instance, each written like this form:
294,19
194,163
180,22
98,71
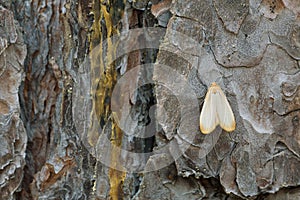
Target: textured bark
102,121
252,50
13,139
55,34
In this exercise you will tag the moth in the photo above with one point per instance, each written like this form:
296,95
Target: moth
216,111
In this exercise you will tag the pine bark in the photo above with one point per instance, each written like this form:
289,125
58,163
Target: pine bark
101,99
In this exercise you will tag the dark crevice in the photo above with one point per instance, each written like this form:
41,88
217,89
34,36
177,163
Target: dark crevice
287,113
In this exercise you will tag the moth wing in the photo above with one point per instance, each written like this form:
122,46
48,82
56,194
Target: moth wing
224,112
208,116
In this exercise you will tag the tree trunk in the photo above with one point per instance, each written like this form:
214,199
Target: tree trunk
101,99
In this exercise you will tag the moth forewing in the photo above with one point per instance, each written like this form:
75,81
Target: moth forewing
208,116
224,112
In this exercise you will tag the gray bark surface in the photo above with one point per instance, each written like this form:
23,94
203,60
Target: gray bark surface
260,75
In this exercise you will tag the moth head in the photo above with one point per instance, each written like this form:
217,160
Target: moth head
214,87
213,84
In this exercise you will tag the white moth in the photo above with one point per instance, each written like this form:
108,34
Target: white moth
216,111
